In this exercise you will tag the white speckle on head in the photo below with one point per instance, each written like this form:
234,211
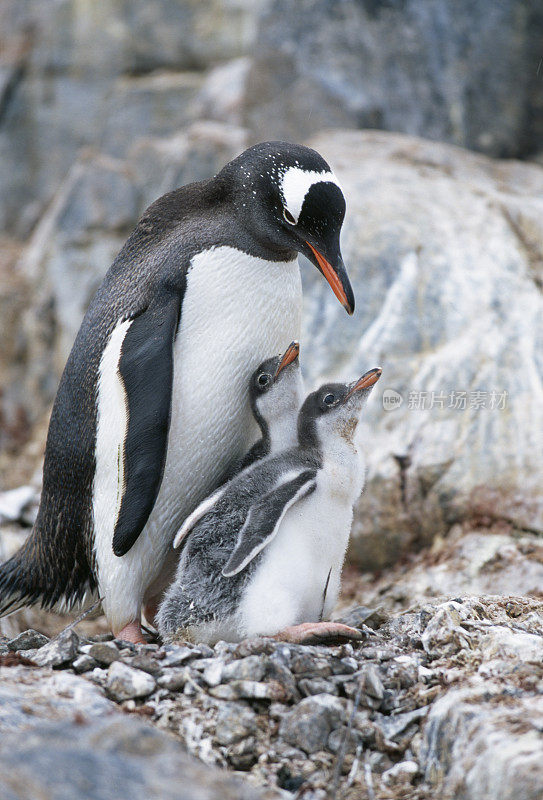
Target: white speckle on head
295,184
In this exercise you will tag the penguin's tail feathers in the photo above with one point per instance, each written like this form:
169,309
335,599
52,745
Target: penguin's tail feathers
15,587
24,582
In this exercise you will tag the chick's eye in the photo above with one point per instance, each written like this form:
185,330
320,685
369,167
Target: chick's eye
288,217
329,399
263,380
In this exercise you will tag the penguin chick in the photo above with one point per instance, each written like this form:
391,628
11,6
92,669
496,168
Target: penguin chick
264,556
276,394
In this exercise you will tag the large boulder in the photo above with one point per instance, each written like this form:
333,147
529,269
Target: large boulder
465,73
74,74
445,250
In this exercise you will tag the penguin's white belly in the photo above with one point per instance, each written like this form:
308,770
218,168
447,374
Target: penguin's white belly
288,585
237,311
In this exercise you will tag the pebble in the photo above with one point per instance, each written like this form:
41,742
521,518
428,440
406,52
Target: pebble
176,656
174,679
249,690
234,722
104,652
310,723
28,640
249,668
84,663
124,682
400,774
58,651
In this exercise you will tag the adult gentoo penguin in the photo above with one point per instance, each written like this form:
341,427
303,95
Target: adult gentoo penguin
152,406
264,554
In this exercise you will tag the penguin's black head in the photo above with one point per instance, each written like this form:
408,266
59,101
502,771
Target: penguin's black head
334,409
287,197
276,386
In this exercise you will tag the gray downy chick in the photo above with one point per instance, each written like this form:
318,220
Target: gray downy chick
263,555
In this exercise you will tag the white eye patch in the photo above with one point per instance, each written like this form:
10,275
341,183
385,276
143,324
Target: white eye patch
296,183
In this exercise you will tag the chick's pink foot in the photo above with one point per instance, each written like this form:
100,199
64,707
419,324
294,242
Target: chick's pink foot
319,633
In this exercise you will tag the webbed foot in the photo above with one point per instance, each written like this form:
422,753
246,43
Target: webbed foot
319,633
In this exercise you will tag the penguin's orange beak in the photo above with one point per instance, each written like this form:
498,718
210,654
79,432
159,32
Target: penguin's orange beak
291,354
367,380
337,278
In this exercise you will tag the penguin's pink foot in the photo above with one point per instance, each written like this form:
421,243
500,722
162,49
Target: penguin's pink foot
131,633
319,633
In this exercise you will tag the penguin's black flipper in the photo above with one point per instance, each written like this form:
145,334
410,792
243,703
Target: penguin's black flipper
264,518
146,368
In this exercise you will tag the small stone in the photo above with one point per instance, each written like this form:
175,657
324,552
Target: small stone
249,668
28,640
84,663
342,737
275,670
124,682
104,652
373,686
400,774
145,662
174,679
249,690
175,655
243,755
212,674
234,722
309,725
58,651
312,686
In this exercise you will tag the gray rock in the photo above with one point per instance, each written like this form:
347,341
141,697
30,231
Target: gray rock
174,679
401,774
250,668
76,79
309,725
250,690
234,722
176,656
490,749
421,67
104,652
28,640
106,760
373,685
28,696
124,683
415,243
84,663
309,686
59,651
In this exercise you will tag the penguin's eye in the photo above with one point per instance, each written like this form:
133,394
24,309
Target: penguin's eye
263,380
288,217
329,399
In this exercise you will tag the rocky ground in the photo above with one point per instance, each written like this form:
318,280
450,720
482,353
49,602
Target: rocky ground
443,698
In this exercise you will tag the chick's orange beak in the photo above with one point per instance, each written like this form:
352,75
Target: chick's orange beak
291,354
367,380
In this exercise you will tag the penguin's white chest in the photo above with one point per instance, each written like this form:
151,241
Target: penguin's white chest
237,311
